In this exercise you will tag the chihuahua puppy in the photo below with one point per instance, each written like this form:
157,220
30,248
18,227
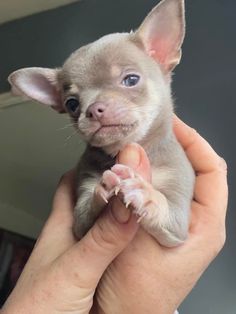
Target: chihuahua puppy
117,90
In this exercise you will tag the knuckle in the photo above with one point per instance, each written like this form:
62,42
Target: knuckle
63,179
193,133
219,242
67,177
222,239
62,272
103,236
223,164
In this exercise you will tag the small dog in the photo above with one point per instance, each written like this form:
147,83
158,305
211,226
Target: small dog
117,90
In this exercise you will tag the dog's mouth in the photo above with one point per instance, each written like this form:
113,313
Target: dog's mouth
114,128
108,133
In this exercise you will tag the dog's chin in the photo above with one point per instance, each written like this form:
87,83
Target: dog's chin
113,137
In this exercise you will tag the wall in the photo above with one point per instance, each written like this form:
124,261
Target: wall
204,86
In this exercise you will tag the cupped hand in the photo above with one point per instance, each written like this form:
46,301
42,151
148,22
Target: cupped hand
149,278
61,275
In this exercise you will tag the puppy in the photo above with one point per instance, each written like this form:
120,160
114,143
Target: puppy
117,90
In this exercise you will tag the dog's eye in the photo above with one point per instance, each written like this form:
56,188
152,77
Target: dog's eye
72,104
131,80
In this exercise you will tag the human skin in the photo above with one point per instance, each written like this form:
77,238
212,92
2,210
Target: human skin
129,270
147,277
62,274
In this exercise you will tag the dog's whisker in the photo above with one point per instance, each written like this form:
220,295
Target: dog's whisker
66,126
70,137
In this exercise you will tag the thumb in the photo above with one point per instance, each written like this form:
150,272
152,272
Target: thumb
111,233
109,236
135,157
89,258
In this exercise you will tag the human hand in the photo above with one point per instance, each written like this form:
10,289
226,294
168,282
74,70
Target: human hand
61,275
148,278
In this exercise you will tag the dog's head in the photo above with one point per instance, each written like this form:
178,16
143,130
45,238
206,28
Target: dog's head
116,87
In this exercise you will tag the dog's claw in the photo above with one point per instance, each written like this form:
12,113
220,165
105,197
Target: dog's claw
104,198
117,190
142,216
127,204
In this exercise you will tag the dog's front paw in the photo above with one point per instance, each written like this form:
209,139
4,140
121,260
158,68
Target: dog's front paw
106,187
136,193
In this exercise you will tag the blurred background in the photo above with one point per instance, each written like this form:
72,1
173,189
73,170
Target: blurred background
37,146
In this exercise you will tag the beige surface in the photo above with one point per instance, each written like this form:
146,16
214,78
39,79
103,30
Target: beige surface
14,9
34,154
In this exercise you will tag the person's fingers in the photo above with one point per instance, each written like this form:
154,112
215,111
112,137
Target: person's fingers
87,260
111,233
56,235
57,229
64,201
211,181
211,190
135,157
202,156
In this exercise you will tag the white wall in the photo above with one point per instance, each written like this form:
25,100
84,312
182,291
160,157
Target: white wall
35,152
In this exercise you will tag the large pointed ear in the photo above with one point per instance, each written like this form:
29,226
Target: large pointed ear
40,84
162,33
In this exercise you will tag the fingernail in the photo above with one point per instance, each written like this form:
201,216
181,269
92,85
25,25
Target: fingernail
120,212
130,156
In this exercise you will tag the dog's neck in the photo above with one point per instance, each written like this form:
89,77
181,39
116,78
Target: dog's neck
160,133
